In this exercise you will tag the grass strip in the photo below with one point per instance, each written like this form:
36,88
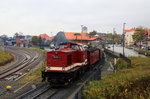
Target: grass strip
38,50
34,77
5,58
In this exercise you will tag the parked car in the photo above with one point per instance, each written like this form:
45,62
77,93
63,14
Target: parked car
143,47
148,48
107,46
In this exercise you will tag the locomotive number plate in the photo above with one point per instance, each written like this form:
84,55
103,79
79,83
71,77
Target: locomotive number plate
56,57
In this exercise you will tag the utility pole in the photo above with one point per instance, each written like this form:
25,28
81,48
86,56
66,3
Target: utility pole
113,38
146,41
81,32
124,37
51,34
81,28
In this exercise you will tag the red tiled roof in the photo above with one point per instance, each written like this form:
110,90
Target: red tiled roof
148,31
45,36
130,30
80,36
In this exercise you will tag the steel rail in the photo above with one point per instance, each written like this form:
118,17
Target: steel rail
28,59
42,92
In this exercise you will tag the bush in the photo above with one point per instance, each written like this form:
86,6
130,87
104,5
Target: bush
129,47
121,64
147,53
5,58
130,83
38,50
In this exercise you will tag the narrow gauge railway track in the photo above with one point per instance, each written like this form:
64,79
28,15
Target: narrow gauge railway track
19,58
47,92
27,58
43,92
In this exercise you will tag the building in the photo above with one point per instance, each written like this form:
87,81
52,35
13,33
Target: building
128,37
84,29
23,40
46,37
148,40
76,37
83,38
1,42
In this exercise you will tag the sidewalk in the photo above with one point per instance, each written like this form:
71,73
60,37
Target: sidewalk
128,52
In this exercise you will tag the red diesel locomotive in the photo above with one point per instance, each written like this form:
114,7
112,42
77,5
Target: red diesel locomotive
69,62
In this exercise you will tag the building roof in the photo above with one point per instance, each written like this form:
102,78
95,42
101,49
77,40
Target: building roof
148,31
78,36
45,36
130,30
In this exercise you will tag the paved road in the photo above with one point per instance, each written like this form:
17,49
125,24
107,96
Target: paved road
128,52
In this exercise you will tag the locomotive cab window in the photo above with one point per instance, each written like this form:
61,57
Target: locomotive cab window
81,48
62,46
75,47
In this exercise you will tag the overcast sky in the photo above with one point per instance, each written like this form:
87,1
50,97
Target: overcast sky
46,16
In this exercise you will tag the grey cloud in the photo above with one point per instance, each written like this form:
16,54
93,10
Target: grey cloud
41,16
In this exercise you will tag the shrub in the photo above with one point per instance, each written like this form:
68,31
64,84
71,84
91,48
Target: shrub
147,53
129,47
5,57
132,83
121,64
38,50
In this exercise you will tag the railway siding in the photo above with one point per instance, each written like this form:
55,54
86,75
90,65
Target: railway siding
26,61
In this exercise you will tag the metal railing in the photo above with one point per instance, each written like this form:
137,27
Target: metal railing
118,55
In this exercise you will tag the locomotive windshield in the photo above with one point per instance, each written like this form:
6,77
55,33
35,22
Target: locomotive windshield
75,47
62,46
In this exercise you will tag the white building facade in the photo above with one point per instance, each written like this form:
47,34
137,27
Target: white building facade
128,37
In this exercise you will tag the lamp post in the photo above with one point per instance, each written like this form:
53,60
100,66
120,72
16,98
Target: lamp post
113,38
81,28
76,34
81,32
124,37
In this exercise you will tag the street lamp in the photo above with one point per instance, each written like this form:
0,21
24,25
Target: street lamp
123,37
76,34
113,38
81,28
81,32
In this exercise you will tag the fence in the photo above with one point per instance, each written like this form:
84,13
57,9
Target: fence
118,55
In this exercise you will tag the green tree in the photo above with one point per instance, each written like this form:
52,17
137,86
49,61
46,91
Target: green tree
109,35
93,33
35,40
139,33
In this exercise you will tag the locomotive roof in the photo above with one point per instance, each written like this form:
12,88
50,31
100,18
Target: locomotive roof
69,43
93,49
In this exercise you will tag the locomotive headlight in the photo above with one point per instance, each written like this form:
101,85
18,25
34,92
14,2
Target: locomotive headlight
48,67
